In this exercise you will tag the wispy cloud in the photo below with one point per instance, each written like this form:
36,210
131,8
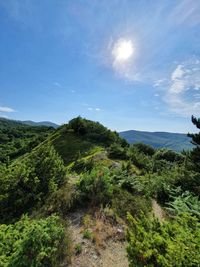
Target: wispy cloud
57,84
186,12
181,93
93,109
6,109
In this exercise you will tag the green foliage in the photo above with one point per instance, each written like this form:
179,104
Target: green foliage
94,131
123,202
185,203
96,187
145,149
27,182
195,154
59,202
78,248
33,243
82,165
78,125
87,234
168,155
139,159
175,243
116,151
16,139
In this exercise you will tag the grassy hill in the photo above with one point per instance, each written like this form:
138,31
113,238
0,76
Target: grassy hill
174,141
80,137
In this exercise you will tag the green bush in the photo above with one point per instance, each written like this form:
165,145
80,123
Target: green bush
168,155
96,187
82,165
139,159
27,182
33,243
175,243
124,202
116,151
145,149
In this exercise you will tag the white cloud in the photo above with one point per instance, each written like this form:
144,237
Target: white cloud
178,73
180,94
93,109
159,83
6,109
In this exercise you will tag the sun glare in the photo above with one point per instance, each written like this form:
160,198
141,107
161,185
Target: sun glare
123,50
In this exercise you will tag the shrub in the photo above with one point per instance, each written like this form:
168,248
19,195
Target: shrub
124,202
116,151
82,165
95,187
168,155
28,181
78,248
175,243
146,149
33,243
139,159
87,234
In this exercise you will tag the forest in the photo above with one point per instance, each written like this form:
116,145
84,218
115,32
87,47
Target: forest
47,174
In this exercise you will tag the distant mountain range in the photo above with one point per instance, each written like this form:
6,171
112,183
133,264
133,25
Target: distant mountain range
174,141
40,123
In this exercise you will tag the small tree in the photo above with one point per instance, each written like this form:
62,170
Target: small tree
195,154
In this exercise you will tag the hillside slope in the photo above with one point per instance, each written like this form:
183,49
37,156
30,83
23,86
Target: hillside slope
80,137
174,141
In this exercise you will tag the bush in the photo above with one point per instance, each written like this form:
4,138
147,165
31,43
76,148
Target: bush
116,151
33,243
146,149
82,165
139,159
175,243
95,187
168,155
124,202
28,181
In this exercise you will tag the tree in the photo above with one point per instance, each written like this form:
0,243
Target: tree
78,125
195,154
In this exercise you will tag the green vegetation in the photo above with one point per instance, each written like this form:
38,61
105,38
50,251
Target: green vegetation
16,139
83,165
28,181
33,243
173,243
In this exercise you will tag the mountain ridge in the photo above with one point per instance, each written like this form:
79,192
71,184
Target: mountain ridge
158,139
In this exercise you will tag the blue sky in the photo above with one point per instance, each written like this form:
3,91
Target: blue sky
130,64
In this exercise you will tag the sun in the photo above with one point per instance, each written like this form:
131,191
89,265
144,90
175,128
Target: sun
123,50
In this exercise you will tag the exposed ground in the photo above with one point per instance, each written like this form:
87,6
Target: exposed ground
158,211
105,247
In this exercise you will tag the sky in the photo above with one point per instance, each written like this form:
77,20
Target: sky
129,64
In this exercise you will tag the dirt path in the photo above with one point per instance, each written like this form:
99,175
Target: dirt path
158,211
110,252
